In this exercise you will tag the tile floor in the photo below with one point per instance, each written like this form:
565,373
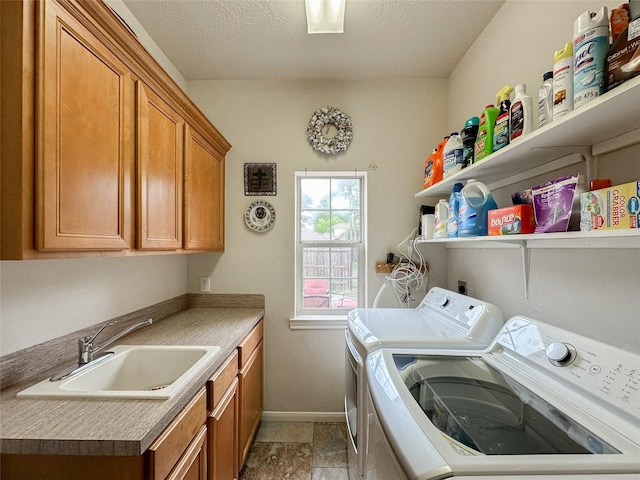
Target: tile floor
298,451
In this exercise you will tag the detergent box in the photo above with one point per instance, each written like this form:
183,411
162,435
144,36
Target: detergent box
512,220
611,208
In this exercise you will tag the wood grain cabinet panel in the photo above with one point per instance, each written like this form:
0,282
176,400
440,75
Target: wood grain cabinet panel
160,166
204,194
251,399
84,141
222,427
76,128
174,443
193,464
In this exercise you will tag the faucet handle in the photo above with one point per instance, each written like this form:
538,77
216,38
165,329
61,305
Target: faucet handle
90,339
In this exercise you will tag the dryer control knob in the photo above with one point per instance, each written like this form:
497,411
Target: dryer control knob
443,301
559,353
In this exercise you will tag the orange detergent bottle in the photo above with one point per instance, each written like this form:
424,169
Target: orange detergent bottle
433,167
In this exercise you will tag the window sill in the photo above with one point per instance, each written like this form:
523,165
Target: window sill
318,322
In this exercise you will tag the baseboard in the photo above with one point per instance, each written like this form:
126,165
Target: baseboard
330,417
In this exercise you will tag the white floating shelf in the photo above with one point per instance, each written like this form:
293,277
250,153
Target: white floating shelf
595,239
612,120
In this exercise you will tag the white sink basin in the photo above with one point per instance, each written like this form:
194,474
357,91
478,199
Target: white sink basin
133,371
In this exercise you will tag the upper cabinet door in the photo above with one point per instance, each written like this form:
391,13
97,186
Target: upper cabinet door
204,194
160,164
84,138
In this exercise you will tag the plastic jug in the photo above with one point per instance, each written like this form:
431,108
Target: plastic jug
440,226
452,155
475,203
433,165
454,205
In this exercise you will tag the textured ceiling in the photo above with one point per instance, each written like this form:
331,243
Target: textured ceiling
260,39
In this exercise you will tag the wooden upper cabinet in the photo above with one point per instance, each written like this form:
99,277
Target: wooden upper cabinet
97,135
84,138
204,194
160,131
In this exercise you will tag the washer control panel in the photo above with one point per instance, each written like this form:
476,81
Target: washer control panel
465,310
603,370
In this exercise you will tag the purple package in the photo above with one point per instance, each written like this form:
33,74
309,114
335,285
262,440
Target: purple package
552,204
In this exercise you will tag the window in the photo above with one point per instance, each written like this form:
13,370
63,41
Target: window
330,242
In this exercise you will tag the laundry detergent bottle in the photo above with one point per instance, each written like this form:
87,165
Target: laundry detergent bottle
484,142
441,215
454,206
475,202
433,165
452,155
501,128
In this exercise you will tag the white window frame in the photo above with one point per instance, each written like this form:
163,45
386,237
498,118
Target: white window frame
325,318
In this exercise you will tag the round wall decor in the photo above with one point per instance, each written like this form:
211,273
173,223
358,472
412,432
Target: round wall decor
260,216
330,131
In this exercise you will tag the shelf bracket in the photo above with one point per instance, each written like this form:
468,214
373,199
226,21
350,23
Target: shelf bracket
526,254
591,161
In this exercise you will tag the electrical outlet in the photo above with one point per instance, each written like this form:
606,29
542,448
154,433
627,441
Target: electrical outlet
205,284
462,287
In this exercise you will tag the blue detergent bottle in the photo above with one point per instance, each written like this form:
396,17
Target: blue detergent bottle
454,205
475,202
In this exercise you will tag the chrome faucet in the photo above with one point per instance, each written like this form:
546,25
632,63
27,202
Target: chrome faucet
86,350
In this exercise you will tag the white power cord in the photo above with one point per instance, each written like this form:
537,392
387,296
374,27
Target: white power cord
407,276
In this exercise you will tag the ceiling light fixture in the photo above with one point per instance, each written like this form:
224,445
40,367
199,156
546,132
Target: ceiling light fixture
325,16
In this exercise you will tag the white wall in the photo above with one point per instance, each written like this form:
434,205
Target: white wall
44,299
591,291
395,124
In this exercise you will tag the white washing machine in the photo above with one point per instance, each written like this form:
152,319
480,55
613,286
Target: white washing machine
540,402
444,319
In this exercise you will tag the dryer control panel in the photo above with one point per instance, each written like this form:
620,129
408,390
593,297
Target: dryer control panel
603,370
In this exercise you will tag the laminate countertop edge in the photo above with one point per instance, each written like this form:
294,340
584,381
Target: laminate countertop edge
121,427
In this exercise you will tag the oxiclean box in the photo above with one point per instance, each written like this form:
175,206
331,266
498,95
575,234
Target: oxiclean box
611,208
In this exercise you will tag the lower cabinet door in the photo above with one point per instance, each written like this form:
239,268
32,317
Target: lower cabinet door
222,427
193,464
251,399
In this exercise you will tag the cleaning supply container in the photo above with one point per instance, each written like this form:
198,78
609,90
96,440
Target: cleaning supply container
452,155
440,226
521,114
475,202
563,80
454,205
590,46
501,128
484,142
468,135
545,100
433,165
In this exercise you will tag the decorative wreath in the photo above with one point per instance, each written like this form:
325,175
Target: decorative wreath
330,116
